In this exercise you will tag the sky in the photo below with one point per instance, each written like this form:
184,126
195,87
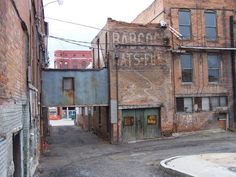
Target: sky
87,12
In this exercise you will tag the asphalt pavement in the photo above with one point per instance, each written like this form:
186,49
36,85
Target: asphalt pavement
75,153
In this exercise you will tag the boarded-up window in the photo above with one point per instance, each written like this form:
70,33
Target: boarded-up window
128,121
205,104
223,101
68,83
214,103
188,105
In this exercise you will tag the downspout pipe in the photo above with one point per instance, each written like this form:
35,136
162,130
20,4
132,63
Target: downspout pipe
27,51
233,70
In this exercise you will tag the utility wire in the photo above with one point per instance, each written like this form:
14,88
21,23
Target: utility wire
72,40
78,24
101,29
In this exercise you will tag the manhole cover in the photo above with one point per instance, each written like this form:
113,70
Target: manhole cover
233,169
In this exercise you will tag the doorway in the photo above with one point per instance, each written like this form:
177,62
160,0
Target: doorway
17,154
138,124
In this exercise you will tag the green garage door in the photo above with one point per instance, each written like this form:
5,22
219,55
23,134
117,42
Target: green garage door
140,124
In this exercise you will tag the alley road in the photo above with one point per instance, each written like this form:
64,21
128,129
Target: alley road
75,153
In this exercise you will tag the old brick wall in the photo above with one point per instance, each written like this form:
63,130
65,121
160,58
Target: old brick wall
142,72
14,92
153,14
13,82
200,86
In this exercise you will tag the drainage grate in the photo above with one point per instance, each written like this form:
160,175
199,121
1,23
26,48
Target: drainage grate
233,169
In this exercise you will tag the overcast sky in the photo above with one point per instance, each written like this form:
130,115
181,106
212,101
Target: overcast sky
87,12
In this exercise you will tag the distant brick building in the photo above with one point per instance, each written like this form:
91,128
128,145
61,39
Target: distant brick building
22,55
173,76
72,59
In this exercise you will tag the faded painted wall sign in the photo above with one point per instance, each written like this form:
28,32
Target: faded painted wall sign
137,38
136,50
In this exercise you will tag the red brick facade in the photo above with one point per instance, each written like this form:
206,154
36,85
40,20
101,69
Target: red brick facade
72,59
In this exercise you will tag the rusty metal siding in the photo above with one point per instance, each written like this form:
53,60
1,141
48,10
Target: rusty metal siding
90,87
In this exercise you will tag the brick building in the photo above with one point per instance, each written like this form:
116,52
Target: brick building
203,60
72,59
22,55
140,86
172,69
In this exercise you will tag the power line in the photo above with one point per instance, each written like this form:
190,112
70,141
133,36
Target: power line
101,29
78,24
71,42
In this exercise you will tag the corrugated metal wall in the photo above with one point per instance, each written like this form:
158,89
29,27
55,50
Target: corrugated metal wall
90,87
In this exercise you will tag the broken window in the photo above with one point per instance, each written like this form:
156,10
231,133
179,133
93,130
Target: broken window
197,104
68,83
213,68
184,104
187,68
210,25
185,24
180,104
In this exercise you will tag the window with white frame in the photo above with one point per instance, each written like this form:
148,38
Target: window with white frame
210,25
213,68
186,67
185,23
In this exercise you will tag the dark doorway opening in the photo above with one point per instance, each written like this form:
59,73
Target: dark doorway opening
17,154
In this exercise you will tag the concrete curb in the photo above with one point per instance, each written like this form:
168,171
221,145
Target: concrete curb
170,171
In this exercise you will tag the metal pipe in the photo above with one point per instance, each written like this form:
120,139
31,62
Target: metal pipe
173,78
208,48
233,67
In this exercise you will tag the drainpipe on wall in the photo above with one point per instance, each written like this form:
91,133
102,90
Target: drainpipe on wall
27,51
233,70
173,78
117,92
